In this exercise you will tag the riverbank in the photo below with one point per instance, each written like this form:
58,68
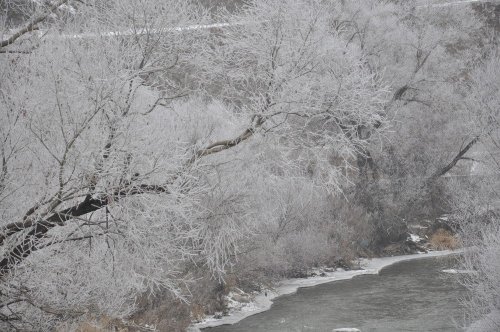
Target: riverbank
263,301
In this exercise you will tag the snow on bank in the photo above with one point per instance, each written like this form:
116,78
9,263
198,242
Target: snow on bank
262,302
414,238
455,271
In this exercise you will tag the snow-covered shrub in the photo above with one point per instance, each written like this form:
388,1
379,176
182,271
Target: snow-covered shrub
483,301
476,214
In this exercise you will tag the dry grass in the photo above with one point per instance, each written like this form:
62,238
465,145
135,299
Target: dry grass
443,240
166,314
230,282
197,312
102,324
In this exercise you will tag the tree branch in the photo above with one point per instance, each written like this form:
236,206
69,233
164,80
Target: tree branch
442,171
40,228
31,25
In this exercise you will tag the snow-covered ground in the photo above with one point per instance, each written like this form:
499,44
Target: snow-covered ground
414,238
263,301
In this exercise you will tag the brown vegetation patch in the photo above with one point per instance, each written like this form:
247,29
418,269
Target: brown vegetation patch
443,239
197,312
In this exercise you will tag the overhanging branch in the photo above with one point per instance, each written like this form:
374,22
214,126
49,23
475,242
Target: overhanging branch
39,228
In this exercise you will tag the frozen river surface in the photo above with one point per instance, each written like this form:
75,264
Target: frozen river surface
408,296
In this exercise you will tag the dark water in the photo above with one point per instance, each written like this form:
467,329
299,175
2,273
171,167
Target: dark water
408,296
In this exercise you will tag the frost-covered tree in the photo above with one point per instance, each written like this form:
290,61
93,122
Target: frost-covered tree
476,200
133,136
297,80
426,53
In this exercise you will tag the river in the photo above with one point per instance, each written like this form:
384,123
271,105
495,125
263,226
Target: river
408,296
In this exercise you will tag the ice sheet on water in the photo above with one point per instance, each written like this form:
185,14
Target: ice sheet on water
456,271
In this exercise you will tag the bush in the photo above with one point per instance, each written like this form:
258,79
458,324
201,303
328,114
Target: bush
443,239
